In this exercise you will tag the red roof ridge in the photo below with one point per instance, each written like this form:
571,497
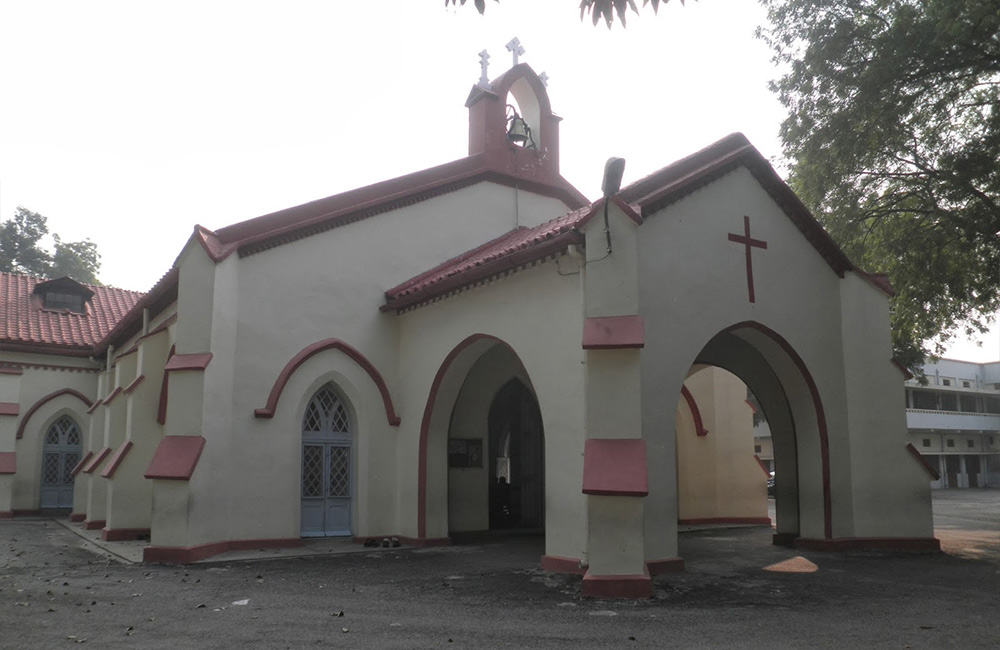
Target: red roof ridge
681,178
358,203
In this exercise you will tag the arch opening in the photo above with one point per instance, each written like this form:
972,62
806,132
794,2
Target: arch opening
766,372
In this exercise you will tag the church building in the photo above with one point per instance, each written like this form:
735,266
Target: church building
471,347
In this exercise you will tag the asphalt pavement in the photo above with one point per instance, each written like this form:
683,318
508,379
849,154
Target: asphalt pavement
60,589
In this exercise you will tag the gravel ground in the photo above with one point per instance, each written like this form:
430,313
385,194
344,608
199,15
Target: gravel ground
738,592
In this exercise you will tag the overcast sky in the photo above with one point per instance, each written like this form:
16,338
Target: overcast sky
130,122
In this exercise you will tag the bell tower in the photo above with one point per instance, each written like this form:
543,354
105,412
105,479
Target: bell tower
511,123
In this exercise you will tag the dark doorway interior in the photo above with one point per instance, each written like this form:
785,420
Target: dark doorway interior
517,486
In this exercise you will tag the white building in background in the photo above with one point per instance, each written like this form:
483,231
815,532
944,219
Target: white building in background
954,421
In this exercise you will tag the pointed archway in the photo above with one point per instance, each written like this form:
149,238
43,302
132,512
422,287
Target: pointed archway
516,460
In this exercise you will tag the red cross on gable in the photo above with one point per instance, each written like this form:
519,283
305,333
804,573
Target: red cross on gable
748,242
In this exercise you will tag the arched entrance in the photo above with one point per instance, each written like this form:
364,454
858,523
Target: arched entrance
787,394
60,454
482,412
327,466
721,479
517,463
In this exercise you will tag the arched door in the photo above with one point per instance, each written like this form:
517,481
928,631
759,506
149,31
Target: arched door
517,486
327,468
60,455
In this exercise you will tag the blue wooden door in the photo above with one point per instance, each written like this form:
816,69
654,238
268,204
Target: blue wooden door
60,454
327,467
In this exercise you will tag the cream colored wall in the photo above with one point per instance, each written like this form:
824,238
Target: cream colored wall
537,312
130,494
890,489
254,314
686,256
27,389
613,390
717,475
692,285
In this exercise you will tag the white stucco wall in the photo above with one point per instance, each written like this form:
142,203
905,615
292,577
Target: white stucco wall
254,314
42,376
537,312
693,284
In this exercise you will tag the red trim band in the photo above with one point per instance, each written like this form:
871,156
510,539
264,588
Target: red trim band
124,534
176,458
195,361
96,460
614,333
9,408
615,467
907,544
618,586
557,564
117,459
83,461
824,438
111,397
699,428
666,565
907,375
161,410
188,554
135,384
8,462
48,398
328,344
425,424
709,521
934,474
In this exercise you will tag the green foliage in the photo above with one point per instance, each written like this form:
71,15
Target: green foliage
597,9
893,135
19,244
21,251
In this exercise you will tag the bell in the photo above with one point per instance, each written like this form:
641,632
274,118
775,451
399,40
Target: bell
518,131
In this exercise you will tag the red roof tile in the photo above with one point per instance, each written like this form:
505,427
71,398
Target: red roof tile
639,200
516,248
25,324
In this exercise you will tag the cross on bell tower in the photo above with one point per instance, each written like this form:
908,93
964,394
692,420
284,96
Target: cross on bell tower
514,47
484,62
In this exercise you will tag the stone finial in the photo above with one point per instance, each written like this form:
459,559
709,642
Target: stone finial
515,48
544,78
484,62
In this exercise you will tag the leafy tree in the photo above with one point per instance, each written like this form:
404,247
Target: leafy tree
893,135
597,9
21,252
79,260
19,239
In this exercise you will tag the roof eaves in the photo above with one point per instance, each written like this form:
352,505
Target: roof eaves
275,229
162,294
501,266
